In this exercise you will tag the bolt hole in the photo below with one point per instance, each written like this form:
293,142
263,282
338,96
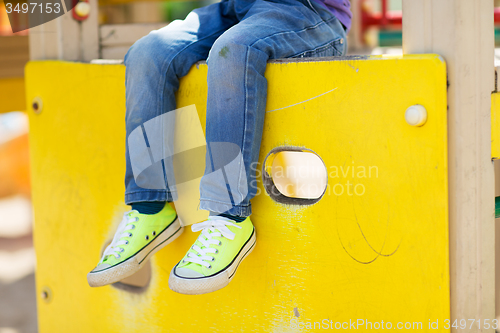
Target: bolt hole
37,105
46,294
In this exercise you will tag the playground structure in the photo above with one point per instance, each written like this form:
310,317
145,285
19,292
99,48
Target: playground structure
388,23
418,245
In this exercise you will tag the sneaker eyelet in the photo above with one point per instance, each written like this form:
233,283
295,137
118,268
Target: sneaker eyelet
209,267
117,257
154,233
136,219
133,226
220,243
213,259
147,237
121,249
130,234
216,251
126,242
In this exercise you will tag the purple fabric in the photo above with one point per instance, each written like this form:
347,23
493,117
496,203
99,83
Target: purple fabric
340,8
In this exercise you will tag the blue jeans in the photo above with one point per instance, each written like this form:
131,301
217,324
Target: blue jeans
237,37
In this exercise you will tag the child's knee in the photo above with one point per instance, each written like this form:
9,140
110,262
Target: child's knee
138,51
226,48
234,49
151,50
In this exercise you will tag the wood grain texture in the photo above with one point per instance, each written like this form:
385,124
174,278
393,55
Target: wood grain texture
461,31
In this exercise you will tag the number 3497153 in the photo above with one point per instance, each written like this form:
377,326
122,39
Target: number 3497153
471,323
33,8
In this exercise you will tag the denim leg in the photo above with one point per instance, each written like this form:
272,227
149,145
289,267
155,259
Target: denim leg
237,91
154,65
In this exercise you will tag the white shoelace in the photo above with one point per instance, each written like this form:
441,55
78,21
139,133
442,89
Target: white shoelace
215,226
122,231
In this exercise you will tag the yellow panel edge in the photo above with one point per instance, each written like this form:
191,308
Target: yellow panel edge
495,125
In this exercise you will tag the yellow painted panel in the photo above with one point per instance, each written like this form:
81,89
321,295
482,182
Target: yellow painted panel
12,96
378,251
495,125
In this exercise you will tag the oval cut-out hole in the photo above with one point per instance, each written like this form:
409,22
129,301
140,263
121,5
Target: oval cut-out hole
294,176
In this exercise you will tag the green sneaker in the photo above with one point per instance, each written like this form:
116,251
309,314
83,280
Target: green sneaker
138,237
211,262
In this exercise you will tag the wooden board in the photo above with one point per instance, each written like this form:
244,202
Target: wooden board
377,255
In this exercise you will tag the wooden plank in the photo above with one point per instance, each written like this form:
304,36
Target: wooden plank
462,32
354,37
382,255
14,54
116,39
125,34
114,52
13,42
66,38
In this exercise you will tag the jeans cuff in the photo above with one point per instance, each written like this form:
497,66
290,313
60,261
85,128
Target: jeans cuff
149,195
228,208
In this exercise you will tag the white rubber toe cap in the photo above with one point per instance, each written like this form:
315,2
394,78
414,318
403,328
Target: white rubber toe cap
187,273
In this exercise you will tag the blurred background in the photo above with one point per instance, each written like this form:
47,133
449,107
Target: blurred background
376,30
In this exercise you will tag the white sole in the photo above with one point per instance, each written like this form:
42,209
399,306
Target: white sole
136,262
197,286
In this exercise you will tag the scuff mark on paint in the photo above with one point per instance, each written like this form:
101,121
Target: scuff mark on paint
377,253
296,312
307,100
356,69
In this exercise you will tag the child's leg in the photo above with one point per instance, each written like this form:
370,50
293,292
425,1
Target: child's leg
237,91
154,65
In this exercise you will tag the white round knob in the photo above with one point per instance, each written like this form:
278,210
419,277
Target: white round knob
416,115
82,9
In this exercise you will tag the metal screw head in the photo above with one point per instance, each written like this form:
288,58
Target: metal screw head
37,105
416,115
